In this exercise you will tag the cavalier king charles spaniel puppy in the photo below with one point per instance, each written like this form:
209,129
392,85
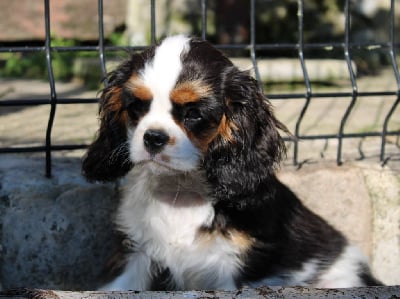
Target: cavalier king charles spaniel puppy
198,145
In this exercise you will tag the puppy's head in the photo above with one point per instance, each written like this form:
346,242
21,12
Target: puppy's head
182,106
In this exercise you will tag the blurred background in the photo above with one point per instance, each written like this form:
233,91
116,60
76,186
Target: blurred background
128,23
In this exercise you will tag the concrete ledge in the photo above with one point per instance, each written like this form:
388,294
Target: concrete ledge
265,292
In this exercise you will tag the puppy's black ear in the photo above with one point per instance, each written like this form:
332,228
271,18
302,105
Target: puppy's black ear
238,165
107,158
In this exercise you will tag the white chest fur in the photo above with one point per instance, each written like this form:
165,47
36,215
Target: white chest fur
167,211
163,217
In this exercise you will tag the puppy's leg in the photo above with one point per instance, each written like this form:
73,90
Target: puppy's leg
349,270
135,276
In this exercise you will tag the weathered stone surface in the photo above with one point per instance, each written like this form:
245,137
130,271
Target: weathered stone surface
384,189
258,293
339,195
56,233
360,199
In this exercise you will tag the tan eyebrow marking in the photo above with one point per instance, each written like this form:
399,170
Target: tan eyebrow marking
112,104
190,92
138,88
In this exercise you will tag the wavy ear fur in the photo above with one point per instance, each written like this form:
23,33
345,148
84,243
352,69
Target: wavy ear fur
107,158
238,168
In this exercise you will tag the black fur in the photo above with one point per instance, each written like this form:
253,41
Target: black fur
286,233
238,167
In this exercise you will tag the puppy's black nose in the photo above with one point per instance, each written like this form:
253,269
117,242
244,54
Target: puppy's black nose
155,140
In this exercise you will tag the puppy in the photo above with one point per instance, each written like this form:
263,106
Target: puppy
198,145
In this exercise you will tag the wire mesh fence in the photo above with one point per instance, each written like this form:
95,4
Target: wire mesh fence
302,49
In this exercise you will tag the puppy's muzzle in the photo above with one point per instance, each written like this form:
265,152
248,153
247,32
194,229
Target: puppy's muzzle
155,141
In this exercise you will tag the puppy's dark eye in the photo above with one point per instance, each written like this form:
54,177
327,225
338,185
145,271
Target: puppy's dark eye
127,98
193,115
134,106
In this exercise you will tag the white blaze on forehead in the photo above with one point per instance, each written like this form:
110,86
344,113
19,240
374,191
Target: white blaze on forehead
161,74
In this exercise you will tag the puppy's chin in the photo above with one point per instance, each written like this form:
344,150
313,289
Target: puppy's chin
175,187
158,166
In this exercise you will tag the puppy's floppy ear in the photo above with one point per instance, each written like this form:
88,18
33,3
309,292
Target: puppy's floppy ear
237,166
107,158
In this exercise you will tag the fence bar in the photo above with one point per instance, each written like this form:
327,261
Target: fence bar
271,47
101,42
153,22
38,149
397,76
53,94
253,42
300,15
327,95
37,102
340,96
22,49
204,19
352,78
324,46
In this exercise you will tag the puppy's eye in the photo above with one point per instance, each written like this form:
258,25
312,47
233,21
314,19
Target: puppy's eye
128,99
134,106
193,115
